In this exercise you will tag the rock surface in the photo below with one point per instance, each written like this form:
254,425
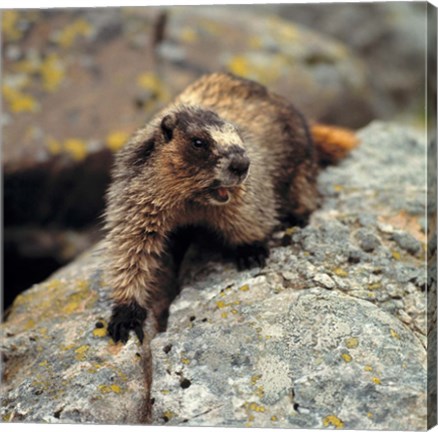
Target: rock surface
389,36
58,365
331,333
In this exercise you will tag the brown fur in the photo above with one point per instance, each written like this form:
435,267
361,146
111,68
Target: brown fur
161,182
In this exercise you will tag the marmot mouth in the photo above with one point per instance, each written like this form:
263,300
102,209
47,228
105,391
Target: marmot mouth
221,194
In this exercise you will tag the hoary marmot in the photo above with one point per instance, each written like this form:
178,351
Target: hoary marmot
227,155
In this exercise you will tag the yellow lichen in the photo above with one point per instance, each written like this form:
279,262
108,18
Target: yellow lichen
9,26
69,34
211,27
185,360
374,286
352,342
368,368
116,139
274,418
255,42
253,406
81,352
8,417
239,65
122,376
376,380
151,82
168,414
43,363
234,311
105,389
340,272
260,392
52,73
165,392
396,255
255,378
30,324
94,368
115,388
369,415
76,148
286,31
244,287
332,420
189,35
27,66
394,334
75,301
18,101
347,357
43,331
224,314
291,230
220,304
99,332
54,146
67,347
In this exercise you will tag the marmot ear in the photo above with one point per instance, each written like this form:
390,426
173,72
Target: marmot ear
168,124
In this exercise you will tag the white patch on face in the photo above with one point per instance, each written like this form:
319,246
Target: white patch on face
225,136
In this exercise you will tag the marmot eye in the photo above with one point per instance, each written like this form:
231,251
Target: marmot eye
199,143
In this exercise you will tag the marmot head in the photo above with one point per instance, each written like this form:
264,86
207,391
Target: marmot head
203,151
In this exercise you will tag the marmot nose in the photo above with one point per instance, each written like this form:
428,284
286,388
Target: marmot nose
239,165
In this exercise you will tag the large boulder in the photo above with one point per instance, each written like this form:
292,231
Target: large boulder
331,333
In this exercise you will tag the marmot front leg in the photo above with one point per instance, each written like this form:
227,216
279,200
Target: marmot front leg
134,269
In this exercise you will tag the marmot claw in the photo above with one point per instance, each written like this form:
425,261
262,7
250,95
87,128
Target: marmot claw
251,255
125,318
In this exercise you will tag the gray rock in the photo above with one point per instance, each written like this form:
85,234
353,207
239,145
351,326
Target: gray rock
389,37
325,280
59,366
367,240
264,347
295,359
407,242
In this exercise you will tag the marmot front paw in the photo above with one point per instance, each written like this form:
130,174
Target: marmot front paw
251,255
126,317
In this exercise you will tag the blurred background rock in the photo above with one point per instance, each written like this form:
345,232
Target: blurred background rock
76,83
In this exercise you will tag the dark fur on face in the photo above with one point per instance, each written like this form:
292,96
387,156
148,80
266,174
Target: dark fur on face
198,143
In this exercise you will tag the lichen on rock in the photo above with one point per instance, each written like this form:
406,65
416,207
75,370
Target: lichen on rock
331,333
